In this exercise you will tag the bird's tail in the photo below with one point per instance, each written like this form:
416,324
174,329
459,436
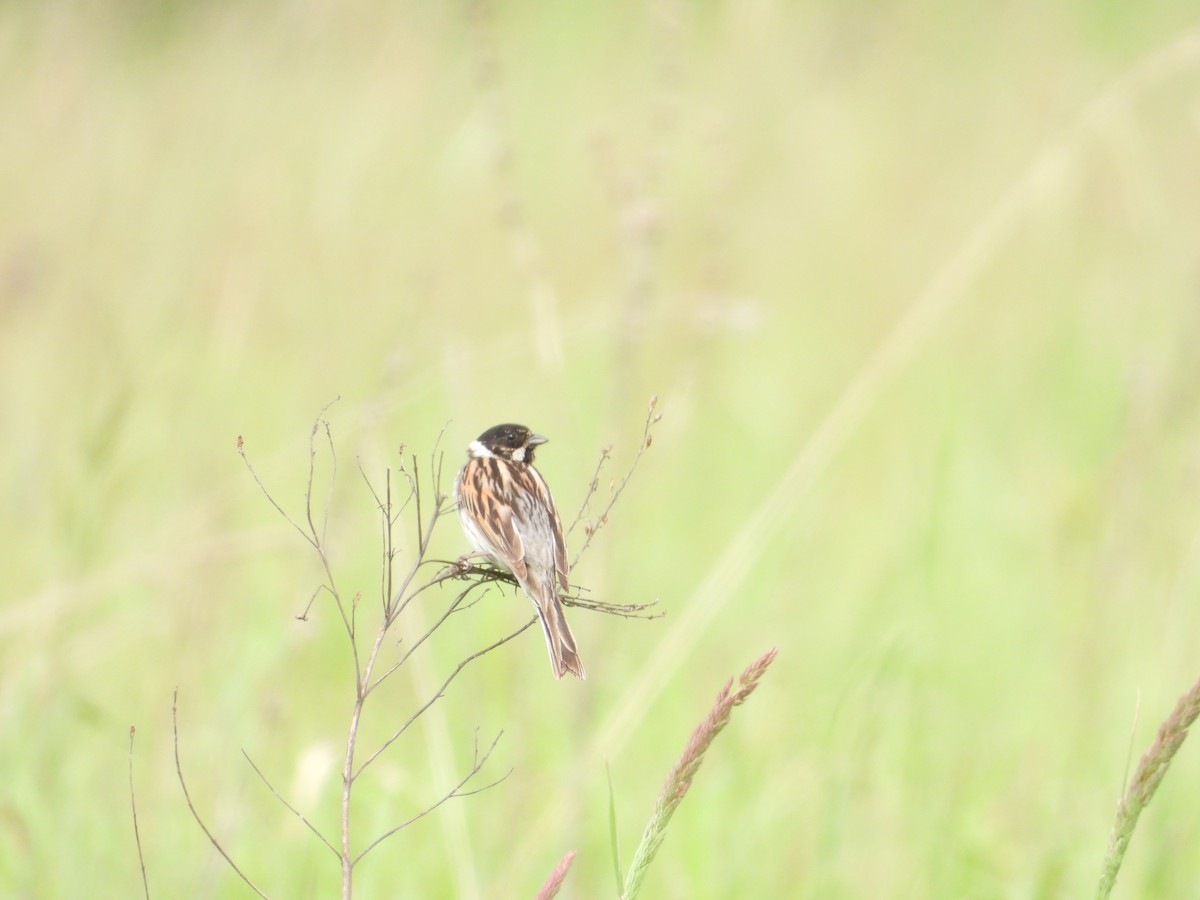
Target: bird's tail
559,640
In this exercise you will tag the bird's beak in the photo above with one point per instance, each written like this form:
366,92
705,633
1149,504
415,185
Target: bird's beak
535,439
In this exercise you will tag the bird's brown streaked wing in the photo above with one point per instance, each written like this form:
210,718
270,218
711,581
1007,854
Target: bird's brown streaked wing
560,548
495,517
560,544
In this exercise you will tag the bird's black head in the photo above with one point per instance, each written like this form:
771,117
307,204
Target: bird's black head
515,442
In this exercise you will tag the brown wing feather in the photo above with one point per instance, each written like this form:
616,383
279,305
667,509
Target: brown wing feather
560,545
495,519
505,539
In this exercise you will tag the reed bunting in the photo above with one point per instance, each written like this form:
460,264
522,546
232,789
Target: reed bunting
507,512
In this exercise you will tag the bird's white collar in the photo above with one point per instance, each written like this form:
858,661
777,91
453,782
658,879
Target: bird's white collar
477,451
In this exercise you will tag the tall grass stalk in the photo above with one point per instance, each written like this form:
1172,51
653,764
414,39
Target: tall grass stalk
549,889
1152,767
680,777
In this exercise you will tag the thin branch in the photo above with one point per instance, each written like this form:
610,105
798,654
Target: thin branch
379,503
453,793
266,493
133,806
318,540
191,806
348,774
389,548
417,478
413,487
389,515
593,486
299,815
440,691
623,610
452,608
616,489
312,456
398,591
311,536
402,597
303,617
436,458
486,574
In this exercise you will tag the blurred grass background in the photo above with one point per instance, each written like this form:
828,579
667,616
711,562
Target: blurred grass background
214,218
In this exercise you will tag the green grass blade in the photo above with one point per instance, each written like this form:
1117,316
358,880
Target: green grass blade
612,831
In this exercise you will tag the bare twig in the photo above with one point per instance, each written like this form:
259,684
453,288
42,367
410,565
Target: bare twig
388,514
483,574
615,489
394,602
321,422
303,617
315,538
299,815
623,610
453,793
401,598
436,458
380,503
398,591
133,806
241,449
416,477
318,540
593,486
191,806
455,606
439,693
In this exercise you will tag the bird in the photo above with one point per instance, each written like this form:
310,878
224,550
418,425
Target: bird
508,513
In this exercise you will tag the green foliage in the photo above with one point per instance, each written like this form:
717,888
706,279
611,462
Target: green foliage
613,843
975,543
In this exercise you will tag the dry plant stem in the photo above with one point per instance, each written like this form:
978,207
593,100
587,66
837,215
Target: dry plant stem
395,600
1149,774
438,695
487,573
454,792
364,676
299,815
402,597
362,680
133,806
652,419
315,538
680,777
455,606
397,593
593,486
191,806
550,889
